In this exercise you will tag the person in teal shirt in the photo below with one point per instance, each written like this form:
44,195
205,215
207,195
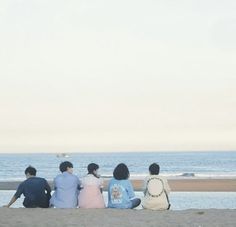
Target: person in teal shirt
120,190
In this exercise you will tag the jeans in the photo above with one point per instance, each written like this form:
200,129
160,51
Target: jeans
135,202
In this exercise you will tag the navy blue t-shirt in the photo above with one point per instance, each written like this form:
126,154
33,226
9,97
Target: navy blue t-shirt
36,191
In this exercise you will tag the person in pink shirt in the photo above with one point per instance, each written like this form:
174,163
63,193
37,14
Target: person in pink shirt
91,193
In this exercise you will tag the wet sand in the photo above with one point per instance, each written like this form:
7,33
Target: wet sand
198,185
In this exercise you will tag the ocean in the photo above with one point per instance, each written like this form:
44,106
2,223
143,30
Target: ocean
173,165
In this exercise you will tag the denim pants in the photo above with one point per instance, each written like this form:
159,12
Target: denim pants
135,202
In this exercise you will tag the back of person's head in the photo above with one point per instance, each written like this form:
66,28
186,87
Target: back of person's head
154,169
121,172
31,171
65,165
92,167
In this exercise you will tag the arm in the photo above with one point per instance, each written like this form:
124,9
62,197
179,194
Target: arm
14,198
101,184
47,187
79,184
167,187
48,190
144,186
130,190
17,195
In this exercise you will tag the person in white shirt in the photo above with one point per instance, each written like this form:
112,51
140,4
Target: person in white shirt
156,190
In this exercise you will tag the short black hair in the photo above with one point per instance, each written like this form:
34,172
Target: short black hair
64,165
91,167
121,172
30,170
154,169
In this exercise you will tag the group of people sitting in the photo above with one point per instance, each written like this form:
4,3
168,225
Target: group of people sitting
70,192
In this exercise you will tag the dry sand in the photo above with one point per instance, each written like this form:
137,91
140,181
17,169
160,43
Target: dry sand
10,217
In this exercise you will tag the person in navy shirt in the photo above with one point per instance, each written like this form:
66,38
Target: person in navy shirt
36,190
120,190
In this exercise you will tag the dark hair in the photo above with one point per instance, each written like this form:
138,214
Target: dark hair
121,172
64,165
30,170
92,167
154,169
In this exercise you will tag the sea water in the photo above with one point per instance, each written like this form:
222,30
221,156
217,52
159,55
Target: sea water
173,165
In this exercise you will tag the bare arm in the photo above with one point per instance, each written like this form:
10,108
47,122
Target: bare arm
11,202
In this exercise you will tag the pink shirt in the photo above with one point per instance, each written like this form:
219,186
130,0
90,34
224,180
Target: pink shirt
90,195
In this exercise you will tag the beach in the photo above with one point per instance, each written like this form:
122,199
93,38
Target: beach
188,185
195,181
111,217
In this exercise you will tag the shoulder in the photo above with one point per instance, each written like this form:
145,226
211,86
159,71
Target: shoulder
90,179
40,179
75,178
23,183
58,176
162,178
154,176
126,182
113,181
147,178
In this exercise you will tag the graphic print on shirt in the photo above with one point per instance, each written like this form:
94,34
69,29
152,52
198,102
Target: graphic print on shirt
116,194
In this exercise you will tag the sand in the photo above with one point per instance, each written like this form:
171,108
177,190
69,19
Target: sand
10,217
110,217
198,185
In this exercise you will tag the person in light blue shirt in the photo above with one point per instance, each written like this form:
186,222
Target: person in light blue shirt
66,187
120,190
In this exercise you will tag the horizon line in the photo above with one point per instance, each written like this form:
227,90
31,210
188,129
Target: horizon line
104,152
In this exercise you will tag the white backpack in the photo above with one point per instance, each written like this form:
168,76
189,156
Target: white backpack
155,187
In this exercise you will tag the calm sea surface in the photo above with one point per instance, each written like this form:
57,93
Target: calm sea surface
173,164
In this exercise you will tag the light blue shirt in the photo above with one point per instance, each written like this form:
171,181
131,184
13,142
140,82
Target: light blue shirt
66,191
120,192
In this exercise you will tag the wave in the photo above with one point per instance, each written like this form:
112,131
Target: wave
190,175
185,175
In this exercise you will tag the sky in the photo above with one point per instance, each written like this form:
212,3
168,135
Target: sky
106,76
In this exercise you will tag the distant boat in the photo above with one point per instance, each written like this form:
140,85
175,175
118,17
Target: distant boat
63,155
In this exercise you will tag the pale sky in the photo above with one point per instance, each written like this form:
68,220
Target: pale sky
125,75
